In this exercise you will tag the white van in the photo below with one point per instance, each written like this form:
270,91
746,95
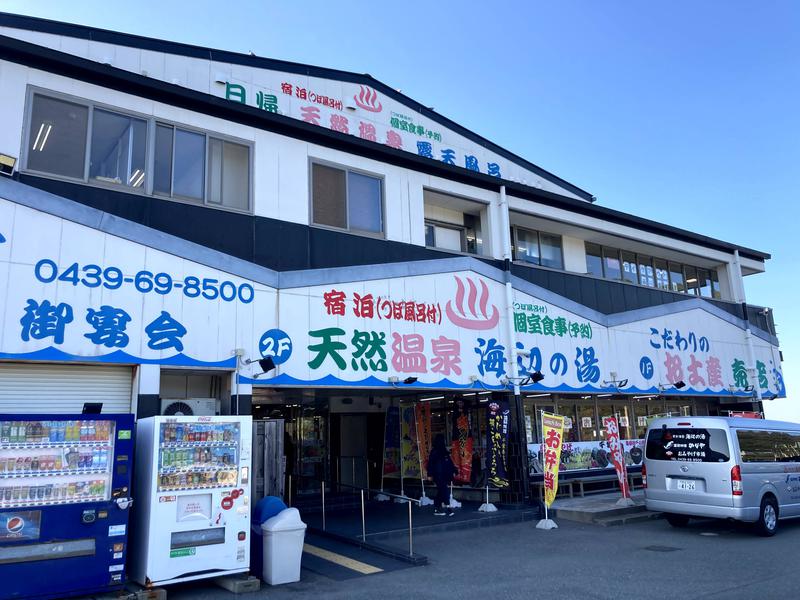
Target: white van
728,468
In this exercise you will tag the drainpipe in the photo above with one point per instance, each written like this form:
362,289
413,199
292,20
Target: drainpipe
739,296
519,413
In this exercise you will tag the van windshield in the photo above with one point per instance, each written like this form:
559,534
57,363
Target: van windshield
688,445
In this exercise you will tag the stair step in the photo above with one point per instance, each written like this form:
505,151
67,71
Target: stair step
627,519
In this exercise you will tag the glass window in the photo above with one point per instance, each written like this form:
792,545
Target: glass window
611,264
688,445
162,167
448,238
57,137
472,234
629,267
704,281
329,189
118,149
364,203
662,274
430,235
587,422
228,174
646,273
676,277
550,246
594,259
527,246
715,291
691,280
189,168
346,199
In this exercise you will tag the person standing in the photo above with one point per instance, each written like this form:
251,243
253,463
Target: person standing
442,469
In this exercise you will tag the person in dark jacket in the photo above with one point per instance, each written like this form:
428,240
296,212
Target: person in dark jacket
442,469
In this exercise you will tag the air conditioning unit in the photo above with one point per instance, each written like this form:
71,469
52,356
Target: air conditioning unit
189,407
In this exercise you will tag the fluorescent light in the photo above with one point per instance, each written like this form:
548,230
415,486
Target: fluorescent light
44,128
432,398
692,280
604,395
536,395
137,178
134,176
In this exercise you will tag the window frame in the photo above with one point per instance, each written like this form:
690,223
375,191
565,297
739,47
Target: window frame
151,122
515,229
453,226
346,168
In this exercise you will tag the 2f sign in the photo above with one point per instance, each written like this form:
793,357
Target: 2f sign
275,344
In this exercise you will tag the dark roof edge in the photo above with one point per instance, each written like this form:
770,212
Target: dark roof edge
96,73
179,48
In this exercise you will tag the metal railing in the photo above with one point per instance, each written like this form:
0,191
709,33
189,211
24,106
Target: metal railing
361,490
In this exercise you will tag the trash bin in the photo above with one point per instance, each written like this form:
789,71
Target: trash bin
283,547
266,508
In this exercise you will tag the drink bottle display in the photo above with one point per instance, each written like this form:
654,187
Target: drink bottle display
54,461
197,455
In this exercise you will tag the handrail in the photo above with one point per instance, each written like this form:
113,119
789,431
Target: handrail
410,501
355,487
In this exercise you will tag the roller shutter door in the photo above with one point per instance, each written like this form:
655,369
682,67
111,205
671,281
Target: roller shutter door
63,388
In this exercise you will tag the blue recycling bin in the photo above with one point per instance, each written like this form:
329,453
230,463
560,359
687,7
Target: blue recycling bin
265,509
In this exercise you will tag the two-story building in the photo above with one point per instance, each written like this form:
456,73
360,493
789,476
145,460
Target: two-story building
172,214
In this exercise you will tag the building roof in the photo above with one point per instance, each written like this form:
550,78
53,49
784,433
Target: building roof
68,65
249,60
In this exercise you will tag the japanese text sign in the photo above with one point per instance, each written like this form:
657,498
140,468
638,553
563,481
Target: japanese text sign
553,435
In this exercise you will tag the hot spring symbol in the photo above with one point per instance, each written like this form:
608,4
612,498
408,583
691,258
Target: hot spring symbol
478,318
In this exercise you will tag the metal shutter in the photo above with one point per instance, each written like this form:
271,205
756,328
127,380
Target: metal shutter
63,388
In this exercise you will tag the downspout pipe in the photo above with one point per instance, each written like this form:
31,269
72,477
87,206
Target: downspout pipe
519,415
752,374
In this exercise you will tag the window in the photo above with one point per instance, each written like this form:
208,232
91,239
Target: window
688,445
228,174
646,273
179,168
118,150
768,446
346,199
184,164
550,248
629,267
527,246
676,277
691,280
538,248
662,273
57,137
445,237
704,282
594,259
715,291
611,264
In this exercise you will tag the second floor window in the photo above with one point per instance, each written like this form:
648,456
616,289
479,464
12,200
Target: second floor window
538,248
184,164
346,199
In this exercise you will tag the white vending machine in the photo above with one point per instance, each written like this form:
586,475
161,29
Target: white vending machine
192,518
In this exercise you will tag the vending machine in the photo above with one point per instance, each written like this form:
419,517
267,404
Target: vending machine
192,518
64,499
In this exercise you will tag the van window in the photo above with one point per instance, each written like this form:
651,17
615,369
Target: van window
687,445
768,446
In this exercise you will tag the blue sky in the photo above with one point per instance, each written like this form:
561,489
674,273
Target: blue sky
682,112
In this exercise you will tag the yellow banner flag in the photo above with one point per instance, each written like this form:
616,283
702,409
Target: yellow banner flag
553,433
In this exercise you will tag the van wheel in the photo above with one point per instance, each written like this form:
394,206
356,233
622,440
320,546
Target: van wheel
767,523
677,520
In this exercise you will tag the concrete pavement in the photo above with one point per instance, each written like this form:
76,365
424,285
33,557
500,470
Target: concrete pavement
708,559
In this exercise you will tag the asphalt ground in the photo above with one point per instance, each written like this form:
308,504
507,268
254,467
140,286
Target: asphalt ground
706,560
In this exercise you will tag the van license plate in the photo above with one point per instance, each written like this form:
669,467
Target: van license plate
686,484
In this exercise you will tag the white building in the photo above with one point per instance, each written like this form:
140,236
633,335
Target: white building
171,206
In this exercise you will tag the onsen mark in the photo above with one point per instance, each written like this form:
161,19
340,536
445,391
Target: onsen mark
480,319
367,99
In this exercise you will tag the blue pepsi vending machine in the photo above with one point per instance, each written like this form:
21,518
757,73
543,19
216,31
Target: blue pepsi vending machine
65,483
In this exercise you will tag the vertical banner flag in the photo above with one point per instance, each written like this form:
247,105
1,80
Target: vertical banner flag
615,448
552,436
423,414
461,446
497,442
391,443
408,442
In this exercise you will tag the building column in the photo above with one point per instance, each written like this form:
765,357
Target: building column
148,401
